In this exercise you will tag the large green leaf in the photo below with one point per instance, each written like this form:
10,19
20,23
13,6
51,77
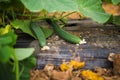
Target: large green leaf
93,9
6,72
23,53
50,5
115,1
13,37
5,40
23,25
5,53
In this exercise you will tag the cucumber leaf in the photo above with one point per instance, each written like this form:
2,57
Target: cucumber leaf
23,25
6,46
5,53
26,66
23,53
5,40
116,20
93,9
47,32
50,5
6,72
13,37
115,2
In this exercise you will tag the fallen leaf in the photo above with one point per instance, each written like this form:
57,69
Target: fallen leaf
58,75
72,64
76,64
89,75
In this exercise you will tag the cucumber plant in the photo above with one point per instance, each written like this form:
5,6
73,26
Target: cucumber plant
14,61
9,13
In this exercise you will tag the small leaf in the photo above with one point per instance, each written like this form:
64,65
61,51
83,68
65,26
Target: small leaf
5,53
93,9
23,25
115,2
13,36
50,5
23,53
28,64
47,32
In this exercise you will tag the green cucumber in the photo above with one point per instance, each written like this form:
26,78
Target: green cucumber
38,33
62,33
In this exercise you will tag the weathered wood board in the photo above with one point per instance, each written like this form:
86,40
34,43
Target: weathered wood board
101,40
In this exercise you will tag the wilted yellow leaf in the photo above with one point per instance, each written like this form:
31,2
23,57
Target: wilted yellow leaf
5,30
72,64
76,64
87,74
64,66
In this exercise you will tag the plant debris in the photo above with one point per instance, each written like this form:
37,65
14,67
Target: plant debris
73,70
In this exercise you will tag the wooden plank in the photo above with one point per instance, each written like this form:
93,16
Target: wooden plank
101,40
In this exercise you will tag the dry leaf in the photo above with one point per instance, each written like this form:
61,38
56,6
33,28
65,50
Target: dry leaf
89,75
64,66
76,64
58,75
49,67
72,64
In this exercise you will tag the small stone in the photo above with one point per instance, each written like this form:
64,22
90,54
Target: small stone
45,48
83,41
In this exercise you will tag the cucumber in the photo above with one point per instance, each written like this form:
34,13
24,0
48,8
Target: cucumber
38,33
62,33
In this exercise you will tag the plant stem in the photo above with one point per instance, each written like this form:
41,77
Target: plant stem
16,66
3,17
62,14
21,71
13,14
67,15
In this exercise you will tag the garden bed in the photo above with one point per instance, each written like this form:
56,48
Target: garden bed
101,40
57,52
